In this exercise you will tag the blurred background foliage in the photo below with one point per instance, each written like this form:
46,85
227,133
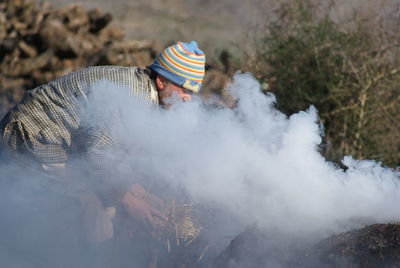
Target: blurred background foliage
348,70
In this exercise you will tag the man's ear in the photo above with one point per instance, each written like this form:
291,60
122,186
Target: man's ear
160,82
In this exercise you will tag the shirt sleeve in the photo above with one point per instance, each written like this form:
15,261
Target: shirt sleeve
27,132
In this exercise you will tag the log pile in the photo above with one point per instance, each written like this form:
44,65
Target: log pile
39,43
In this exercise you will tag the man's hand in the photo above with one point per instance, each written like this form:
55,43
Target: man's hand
134,201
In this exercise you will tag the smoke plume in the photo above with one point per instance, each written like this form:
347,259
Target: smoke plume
252,162
243,166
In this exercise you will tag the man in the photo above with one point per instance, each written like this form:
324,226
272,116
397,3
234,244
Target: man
45,131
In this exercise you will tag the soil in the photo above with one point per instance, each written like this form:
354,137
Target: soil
376,245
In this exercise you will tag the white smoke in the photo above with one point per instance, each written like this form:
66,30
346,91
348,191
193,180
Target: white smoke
252,162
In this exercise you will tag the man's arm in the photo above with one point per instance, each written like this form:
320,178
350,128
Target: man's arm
136,205
103,155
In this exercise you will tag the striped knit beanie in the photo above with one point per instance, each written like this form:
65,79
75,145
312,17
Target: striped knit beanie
182,64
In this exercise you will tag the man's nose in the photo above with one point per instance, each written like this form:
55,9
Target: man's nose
186,97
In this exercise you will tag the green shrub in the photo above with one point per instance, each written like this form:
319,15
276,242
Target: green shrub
348,73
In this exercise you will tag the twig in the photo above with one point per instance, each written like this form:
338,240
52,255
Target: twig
202,254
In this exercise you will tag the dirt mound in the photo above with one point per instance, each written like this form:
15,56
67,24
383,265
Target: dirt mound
376,245
256,248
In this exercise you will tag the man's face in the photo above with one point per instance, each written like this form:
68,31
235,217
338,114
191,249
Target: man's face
168,91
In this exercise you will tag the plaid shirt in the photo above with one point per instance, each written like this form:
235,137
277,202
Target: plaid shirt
45,125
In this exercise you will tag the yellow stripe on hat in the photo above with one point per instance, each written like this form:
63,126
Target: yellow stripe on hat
186,59
166,66
185,68
180,69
